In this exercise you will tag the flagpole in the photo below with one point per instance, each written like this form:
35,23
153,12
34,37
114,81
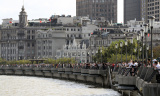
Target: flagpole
50,23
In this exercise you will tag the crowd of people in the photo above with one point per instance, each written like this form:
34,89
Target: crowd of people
130,64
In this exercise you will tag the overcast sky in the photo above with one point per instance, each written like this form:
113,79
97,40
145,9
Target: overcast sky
43,8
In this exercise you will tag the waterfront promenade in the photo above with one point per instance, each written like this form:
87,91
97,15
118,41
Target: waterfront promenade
143,83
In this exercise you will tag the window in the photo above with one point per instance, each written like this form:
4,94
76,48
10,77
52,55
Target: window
32,37
50,35
32,44
28,37
28,44
28,32
33,31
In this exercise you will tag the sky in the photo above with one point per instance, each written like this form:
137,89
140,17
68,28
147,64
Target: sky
43,8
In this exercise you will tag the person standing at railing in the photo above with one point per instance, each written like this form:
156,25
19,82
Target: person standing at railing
149,63
157,67
130,64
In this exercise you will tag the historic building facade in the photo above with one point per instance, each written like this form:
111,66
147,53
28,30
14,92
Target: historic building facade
47,42
18,42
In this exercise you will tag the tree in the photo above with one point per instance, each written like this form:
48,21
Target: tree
156,51
109,54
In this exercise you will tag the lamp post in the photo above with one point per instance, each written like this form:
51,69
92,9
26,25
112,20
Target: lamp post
116,46
63,58
126,48
135,50
145,30
19,60
101,56
121,44
142,34
140,52
75,58
88,56
138,37
132,47
55,59
151,25
147,51
92,56
96,58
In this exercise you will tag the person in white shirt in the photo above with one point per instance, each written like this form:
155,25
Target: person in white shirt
156,65
135,63
130,64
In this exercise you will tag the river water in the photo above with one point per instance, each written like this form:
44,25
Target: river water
35,86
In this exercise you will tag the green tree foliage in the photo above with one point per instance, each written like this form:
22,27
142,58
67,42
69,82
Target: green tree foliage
109,54
61,60
156,51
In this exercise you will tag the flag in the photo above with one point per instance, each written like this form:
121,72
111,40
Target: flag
50,20
10,21
148,34
40,21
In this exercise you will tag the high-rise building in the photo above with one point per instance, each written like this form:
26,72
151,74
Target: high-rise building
144,10
150,8
97,8
153,9
132,10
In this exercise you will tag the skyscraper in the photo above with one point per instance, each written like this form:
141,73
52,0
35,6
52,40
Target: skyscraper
132,10
153,9
141,10
144,15
97,8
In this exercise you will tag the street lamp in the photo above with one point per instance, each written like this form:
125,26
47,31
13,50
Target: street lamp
135,50
151,25
75,58
138,38
140,52
63,58
146,30
101,56
126,49
132,47
121,44
19,60
55,59
88,56
97,57
147,51
142,34
116,46
92,56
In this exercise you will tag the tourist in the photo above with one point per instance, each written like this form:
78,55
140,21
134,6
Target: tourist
149,63
130,64
157,66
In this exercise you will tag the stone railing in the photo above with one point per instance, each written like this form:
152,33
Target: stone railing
95,76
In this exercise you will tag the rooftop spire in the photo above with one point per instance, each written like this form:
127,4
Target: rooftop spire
23,8
23,2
